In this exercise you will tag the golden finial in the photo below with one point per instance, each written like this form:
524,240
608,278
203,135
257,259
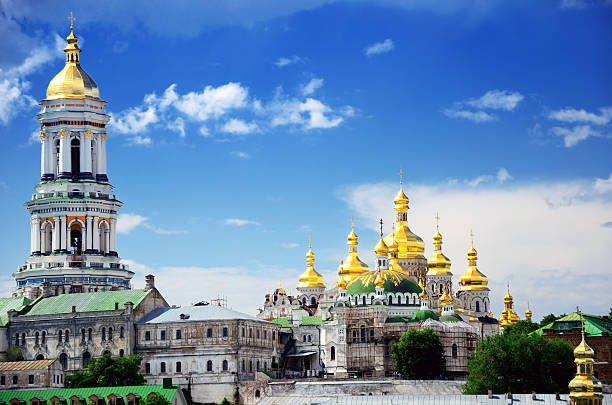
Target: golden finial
71,18
352,222
381,224
472,238
309,242
401,174
437,221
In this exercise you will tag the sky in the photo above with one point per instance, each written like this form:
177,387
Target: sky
240,129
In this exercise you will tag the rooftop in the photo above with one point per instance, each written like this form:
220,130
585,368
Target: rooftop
194,313
6,304
66,393
26,365
593,325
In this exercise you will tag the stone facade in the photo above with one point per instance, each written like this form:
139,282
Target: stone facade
209,348
18,375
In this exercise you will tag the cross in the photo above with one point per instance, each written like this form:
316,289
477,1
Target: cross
71,18
401,176
472,237
352,222
381,222
309,241
437,221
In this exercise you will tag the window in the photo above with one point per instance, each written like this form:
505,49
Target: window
257,369
224,365
40,357
310,338
273,336
148,368
250,332
112,400
67,338
257,394
63,358
257,333
59,337
265,334
121,352
209,365
250,366
86,358
363,300
103,333
178,367
304,338
163,367
82,335
147,335
131,400
89,333
163,335
224,332
2,380
36,338
477,306
209,332
178,334
43,339
454,350
15,380
110,333
31,379
313,301
333,353
243,368
390,300
122,332
265,365
23,336
242,333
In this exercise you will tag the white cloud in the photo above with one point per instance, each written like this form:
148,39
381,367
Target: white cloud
603,185
523,234
290,245
134,120
571,136
162,231
282,62
213,102
497,100
238,127
379,47
503,175
141,140
239,222
178,125
241,155
310,114
126,222
573,115
204,131
312,86
477,116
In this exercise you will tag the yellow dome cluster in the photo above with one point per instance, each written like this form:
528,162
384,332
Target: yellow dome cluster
72,82
508,316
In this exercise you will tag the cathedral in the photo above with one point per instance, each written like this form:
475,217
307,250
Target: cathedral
367,310
73,214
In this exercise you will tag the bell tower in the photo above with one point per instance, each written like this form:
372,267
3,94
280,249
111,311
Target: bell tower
73,214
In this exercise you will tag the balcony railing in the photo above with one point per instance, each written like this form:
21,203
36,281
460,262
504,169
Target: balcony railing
80,262
74,194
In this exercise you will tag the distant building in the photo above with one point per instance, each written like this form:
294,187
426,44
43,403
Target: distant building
28,375
209,348
126,395
597,333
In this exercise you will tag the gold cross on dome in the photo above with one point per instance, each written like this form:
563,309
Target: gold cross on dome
472,237
352,222
437,220
309,241
381,224
401,174
71,18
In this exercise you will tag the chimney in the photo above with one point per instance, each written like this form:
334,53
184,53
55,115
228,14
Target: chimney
149,282
47,291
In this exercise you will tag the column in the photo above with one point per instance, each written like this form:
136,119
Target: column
84,244
32,231
89,226
107,240
56,235
62,228
43,157
65,163
95,234
86,171
113,236
36,236
101,174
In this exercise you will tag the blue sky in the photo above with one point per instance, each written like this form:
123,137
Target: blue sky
241,128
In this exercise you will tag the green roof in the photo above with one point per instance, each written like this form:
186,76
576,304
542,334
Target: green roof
398,319
6,304
593,325
141,390
306,321
451,318
84,302
423,315
404,286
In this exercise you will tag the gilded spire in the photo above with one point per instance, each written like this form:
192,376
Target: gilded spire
352,266
400,200
438,263
381,248
473,279
379,282
310,278
584,388
528,313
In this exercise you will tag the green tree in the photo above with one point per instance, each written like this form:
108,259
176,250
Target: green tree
155,400
225,402
522,327
419,354
548,319
108,371
519,363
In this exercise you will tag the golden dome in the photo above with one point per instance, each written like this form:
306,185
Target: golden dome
424,295
473,279
310,278
342,282
379,282
400,198
352,266
447,296
528,314
509,315
381,248
438,264
72,81
583,350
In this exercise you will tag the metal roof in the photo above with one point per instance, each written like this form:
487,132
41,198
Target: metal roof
194,313
26,365
142,391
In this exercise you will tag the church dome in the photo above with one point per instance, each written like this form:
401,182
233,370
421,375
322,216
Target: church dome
473,279
438,264
352,266
393,281
72,81
310,278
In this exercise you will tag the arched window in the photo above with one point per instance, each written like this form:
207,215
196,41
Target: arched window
250,332
390,300
57,158
310,338
47,238
75,158
209,365
250,366
224,365
59,336
257,394
147,368
36,335
83,335
477,306
163,367
178,367
454,350
103,333
67,338
243,368
122,332
333,353
399,300
121,352
86,358
265,366
304,338
40,357
257,333
103,236
313,301
63,358
89,333
110,333
441,288
257,369
304,301
363,300
43,339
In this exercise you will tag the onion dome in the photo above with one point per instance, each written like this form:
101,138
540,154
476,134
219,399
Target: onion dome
342,282
400,200
381,248
528,314
379,281
72,81
508,316
473,279
446,298
393,282
584,387
423,295
438,264
352,266
310,278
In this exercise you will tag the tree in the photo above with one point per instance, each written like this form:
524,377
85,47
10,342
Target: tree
522,327
419,354
225,402
155,400
107,371
548,319
520,363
